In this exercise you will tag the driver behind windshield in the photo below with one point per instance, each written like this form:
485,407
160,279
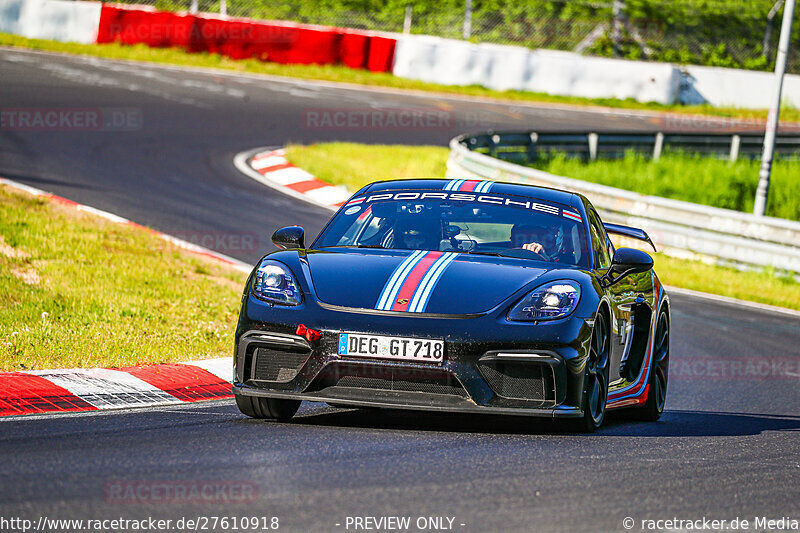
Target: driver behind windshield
417,233
548,242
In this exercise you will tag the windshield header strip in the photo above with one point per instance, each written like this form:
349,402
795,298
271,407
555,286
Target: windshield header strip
486,199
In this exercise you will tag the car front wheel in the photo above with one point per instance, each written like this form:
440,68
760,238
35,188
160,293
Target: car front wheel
595,387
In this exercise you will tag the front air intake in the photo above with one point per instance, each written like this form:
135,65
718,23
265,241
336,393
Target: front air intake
278,365
513,380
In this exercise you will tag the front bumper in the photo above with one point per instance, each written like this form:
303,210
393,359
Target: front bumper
491,364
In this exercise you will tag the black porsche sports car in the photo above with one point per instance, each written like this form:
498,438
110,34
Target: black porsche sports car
456,296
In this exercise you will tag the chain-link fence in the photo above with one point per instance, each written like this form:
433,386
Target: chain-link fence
726,33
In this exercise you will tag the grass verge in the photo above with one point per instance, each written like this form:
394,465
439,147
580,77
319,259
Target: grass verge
355,165
174,56
78,291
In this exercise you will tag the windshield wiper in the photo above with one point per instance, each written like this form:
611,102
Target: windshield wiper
357,246
478,253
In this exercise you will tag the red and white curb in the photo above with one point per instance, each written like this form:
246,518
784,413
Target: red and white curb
270,167
96,389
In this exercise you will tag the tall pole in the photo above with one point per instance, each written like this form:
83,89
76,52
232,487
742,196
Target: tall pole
762,192
768,29
467,31
617,25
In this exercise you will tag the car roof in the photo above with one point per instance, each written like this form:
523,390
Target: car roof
516,189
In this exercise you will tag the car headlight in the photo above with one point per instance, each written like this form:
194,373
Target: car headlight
556,299
274,282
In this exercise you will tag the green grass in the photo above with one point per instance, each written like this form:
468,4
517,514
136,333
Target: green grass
696,179
78,291
174,56
355,165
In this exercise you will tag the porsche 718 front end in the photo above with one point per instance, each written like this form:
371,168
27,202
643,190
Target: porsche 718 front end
455,296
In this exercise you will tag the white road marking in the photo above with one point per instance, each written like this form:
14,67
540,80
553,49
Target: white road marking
105,214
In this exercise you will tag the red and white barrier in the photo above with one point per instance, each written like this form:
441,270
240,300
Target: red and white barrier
275,41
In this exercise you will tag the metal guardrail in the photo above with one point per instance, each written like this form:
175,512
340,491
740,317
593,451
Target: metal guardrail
679,228
521,147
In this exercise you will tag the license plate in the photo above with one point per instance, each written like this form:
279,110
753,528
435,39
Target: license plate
397,348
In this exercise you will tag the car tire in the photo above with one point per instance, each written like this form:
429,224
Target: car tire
657,383
267,408
595,382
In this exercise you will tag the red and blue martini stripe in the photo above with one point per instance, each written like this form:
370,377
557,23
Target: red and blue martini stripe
412,283
468,185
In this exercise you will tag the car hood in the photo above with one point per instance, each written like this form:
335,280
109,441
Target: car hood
429,282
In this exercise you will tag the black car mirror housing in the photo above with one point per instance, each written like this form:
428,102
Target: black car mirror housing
627,261
289,238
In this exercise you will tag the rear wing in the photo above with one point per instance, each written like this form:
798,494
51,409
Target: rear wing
627,231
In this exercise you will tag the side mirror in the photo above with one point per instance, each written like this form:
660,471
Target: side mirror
289,238
627,261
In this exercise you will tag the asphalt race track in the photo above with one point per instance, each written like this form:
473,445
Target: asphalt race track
726,447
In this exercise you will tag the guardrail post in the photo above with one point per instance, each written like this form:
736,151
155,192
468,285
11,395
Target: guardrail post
592,137
533,152
658,146
494,140
735,142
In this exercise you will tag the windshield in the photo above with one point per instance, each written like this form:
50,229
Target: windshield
443,221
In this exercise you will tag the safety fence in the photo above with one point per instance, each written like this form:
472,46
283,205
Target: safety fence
525,147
